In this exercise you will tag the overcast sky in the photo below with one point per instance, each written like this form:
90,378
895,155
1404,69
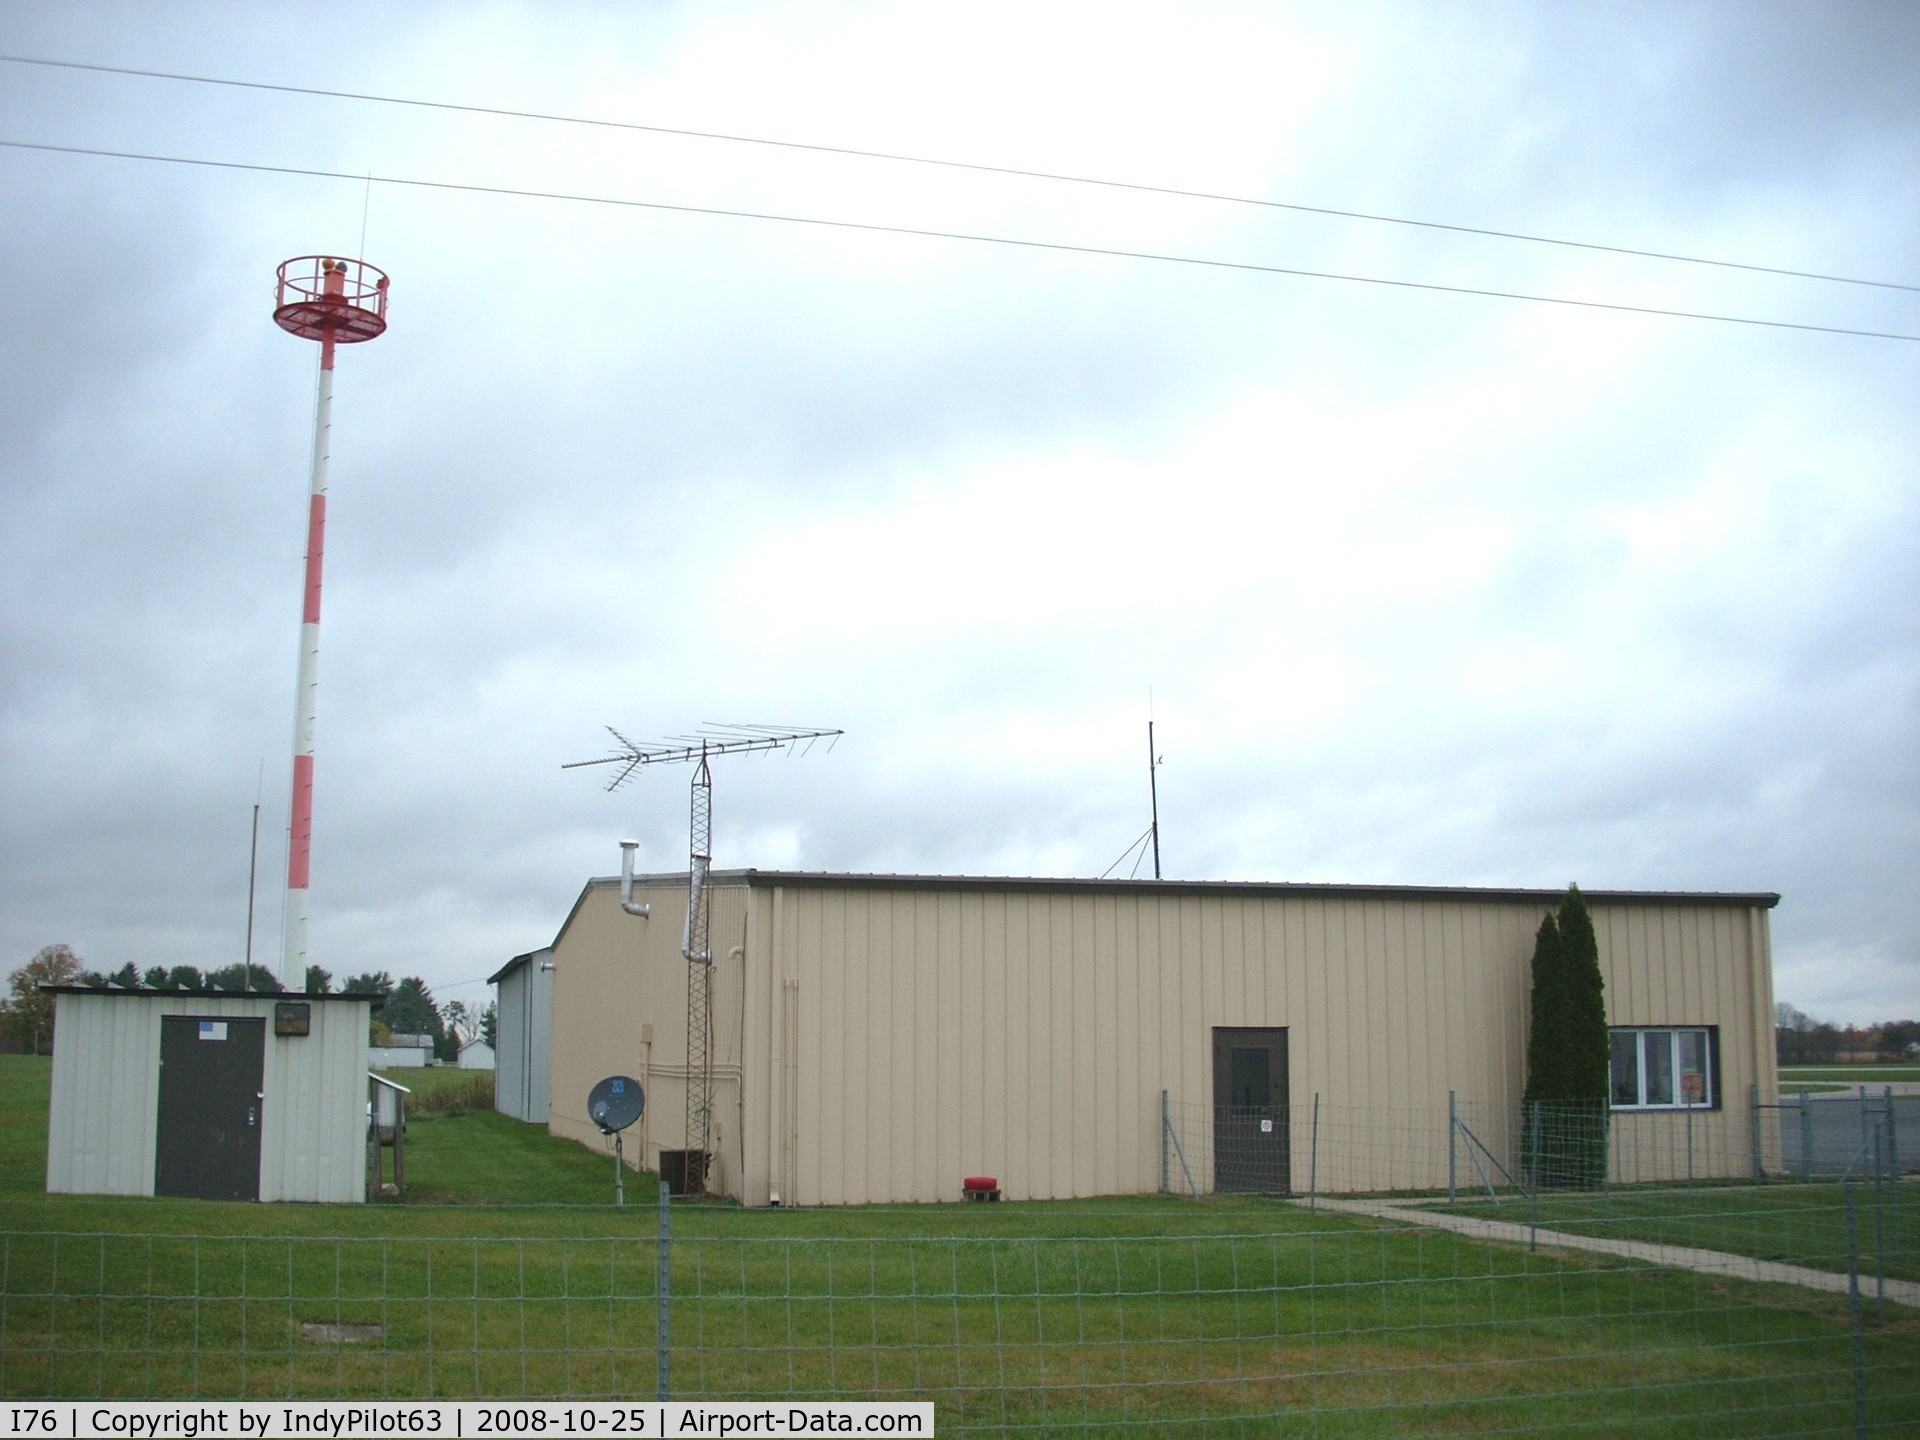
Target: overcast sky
1417,587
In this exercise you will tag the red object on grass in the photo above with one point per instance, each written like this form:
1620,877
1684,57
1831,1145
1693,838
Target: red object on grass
980,1182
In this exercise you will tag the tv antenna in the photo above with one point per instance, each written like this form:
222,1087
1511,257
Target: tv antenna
695,945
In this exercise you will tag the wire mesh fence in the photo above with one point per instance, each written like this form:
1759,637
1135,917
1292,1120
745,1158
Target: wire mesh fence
1859,1133
1318,1148
1223,1317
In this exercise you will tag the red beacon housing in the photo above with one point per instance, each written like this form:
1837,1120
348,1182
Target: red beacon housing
323,298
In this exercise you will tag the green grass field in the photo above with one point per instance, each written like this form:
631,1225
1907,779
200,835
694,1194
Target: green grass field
505,1272
1869,1075
1787,1221
1830,1079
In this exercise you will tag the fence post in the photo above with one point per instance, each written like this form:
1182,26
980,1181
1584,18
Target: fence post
663,1344
1859,1325
1606,1158
1893,1139
1453,1160
1313,1158
1753,1110
1533,1198
1879,1231
1891,1157
1689,1145
1806,1138
1865,1142
1166,1122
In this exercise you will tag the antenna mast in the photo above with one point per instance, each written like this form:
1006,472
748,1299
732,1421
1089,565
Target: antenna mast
696,946
1138,849
337,302
1153,791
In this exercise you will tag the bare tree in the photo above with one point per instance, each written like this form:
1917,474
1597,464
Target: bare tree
459,1021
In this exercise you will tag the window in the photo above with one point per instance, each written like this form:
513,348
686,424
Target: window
1664,1069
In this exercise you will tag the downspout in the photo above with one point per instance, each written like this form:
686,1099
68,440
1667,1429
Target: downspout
779,970
739,952
627,847
775,1096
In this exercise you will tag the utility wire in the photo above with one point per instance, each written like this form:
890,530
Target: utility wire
974,166
871,228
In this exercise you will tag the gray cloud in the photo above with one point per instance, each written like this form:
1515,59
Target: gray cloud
1426,589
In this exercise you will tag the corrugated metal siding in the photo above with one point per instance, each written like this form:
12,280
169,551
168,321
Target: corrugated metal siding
523,1028
106,1072
1692,967
615,973
946,1033
510,1035
105,1102
882,1041
539,1040
313,1143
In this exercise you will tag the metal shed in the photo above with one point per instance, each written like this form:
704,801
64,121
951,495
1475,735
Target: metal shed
878,1038
209,1094
523,1026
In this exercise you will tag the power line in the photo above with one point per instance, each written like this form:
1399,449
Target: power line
1011,171
872,228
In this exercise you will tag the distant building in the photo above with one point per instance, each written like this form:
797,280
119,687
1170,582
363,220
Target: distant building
476,1055
403,1051
523,1028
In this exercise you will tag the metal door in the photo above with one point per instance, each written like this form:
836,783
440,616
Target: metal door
207,1143
1250,1111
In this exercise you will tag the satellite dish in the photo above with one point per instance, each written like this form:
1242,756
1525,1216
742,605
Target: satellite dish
615,1103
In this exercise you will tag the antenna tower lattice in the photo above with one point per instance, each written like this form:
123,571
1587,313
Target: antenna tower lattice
696,943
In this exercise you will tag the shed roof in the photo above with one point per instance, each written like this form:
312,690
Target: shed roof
511,966
118,992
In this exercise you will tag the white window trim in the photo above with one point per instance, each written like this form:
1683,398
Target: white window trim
1672,1032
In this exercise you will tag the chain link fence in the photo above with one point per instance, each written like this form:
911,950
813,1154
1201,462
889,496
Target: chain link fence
1325,1149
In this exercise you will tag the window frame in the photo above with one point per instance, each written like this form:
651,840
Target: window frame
1709,1071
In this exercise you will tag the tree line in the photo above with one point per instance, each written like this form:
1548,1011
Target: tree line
1799,1039
26,1015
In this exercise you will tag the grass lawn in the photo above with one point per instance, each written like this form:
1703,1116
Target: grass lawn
1826,1079
506,1272
1788,1221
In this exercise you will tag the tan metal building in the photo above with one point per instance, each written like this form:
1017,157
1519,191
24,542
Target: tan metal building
879,1038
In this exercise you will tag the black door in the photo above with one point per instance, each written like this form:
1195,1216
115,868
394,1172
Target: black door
208,1141
1250,1111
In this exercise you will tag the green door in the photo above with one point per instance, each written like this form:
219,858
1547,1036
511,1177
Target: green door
207,1141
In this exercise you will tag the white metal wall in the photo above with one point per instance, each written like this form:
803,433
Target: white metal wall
523,1032
106,1094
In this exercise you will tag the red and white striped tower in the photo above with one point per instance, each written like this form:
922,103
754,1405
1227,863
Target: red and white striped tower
337,302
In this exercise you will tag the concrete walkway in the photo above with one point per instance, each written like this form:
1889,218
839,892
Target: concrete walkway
1705,1262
